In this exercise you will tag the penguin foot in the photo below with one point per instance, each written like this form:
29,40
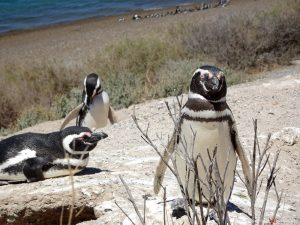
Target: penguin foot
177,206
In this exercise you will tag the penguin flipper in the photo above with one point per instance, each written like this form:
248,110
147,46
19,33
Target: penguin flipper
73,114
162,167
33,168
242,156
112,115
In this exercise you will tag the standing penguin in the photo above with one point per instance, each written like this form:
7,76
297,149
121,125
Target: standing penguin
95,108
35,156
206,122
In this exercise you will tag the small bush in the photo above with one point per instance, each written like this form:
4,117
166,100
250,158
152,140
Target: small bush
63,104
7,113
60,107
174,78
124,89
32,116
140,57
24,87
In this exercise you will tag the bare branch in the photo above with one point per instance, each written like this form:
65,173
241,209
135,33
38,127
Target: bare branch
259,187
254,178
183,191
149,141
131,199
241,178
264,165
165,198
124,213
270,182
279,197
80,211
170,113
61,215
204,219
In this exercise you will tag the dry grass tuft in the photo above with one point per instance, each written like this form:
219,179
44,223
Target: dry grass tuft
246,41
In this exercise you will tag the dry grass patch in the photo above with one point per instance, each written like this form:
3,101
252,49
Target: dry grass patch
246,41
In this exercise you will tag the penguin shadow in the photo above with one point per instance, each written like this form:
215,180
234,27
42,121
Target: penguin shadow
85,171
231,207
178,210
91,171
4,182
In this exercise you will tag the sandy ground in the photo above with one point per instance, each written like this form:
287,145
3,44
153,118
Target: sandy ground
274,101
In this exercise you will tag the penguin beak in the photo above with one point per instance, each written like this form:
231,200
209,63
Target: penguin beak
215,83
95,137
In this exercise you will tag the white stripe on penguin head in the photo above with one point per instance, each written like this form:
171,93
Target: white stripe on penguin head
97,86
69,139
85,97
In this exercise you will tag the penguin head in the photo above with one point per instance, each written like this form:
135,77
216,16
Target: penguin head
79,140
209,82
92,87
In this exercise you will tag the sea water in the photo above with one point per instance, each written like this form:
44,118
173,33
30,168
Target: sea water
25,14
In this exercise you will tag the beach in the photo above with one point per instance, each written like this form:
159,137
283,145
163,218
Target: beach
74,43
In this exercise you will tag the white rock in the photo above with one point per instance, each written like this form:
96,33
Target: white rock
288,135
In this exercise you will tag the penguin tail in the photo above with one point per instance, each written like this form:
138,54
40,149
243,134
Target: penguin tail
112,115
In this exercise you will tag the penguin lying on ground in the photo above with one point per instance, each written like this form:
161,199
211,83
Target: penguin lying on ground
206,122
95,108
35,156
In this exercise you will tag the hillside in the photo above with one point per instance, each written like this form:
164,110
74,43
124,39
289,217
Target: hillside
274,101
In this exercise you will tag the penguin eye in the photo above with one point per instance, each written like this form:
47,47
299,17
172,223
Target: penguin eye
85,136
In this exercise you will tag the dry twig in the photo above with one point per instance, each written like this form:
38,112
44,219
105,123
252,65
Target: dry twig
131,199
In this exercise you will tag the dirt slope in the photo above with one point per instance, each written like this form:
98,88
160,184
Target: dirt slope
274,101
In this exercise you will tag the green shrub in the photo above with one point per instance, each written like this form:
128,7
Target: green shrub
63,104
60,107
174,78
32,116
124,89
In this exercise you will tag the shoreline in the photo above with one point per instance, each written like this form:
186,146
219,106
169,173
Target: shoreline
126,15
73,44
66,41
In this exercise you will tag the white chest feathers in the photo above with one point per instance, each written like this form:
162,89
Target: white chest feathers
97,114
198,138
